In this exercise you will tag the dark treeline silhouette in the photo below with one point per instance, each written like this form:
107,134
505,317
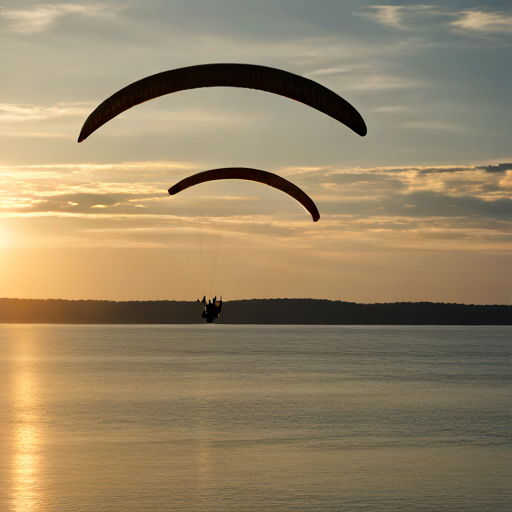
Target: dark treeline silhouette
256,311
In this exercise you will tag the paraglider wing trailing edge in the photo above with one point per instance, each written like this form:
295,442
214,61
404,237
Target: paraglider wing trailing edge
257,175
247,76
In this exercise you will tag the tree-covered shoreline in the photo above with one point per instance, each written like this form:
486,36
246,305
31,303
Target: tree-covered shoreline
255,311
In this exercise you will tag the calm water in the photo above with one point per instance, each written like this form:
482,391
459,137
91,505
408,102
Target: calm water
229,418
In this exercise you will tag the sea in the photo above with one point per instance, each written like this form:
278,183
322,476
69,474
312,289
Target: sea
255,418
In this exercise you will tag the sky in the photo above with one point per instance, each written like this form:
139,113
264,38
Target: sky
418,210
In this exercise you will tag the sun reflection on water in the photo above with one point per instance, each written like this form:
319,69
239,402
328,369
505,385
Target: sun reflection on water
26,460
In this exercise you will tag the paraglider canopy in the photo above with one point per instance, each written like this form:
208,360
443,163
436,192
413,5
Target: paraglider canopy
247,76
245,173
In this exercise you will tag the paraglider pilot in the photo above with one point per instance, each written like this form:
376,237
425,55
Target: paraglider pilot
212,309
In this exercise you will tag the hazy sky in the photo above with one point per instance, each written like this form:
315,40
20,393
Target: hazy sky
419,209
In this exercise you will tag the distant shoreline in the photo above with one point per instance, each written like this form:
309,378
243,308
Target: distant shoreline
255,311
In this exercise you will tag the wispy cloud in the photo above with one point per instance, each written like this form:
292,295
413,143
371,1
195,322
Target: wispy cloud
330,71
42,17
27,112
410,17
40,121
381,82
437,125
484,22
367,80
391,15
405,17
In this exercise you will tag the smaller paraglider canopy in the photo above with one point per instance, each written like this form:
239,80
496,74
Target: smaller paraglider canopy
245,173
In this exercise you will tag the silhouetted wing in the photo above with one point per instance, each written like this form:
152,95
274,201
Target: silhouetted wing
247,76
244,173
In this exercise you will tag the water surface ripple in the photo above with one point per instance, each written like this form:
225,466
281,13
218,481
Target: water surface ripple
230,418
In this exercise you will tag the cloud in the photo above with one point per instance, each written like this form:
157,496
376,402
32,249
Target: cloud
470,181
127,171
437,125
405,17
369,80
396,182
329,71
393,109
506,182
380,82
392,15
484,22
498,168
25,120
44,16
413,17
27,112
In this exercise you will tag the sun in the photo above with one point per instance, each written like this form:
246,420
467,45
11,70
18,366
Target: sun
6,237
